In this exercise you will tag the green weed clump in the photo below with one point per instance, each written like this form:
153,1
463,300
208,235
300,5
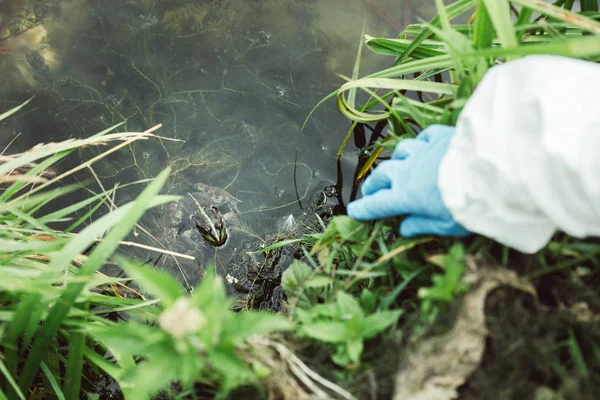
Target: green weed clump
59,314
411,283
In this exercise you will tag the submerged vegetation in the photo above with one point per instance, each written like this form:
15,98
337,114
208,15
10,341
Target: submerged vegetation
363,312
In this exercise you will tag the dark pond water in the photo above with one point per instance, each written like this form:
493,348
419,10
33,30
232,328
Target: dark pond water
233,79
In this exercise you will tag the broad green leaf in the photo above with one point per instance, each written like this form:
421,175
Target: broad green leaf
152,375
341,356
347,227
348,306
318,281
130,337
332,332
446,286
368,300
376,323
252,323
210,291
158,283
294,277
354,348
233,370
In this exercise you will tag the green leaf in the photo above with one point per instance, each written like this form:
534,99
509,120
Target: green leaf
255,323
318,281
332,332
354,348
368,301
346,226
341,356
130,337
148,377
450,283
160,284
348,306
234,371
294,281
376,323
210,291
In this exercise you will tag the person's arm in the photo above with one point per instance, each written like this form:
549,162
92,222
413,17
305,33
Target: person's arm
525,157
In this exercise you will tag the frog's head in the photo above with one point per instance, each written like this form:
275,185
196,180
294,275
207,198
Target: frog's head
211,227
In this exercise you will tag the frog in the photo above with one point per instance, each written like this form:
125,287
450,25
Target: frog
207,213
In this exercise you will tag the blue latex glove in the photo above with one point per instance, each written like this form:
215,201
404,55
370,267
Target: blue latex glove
407,185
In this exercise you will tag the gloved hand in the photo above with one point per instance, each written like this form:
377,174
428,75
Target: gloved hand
407,184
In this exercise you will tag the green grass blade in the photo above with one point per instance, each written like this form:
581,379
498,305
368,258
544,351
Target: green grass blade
319,104
11,381
122,226
17,186
111,369
18,325
589,5
399,84
482,34
10,112
55,386
452,10
523,19
499,13
52,361
74,365
63,212
356,69
583,47
395,47
579,20
85,216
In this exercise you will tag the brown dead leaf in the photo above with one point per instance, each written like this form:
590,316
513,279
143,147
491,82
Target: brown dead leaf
434,368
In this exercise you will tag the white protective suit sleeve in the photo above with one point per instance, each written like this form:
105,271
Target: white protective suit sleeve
524,162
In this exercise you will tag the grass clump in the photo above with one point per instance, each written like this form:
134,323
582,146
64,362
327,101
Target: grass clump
60,314
436,66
